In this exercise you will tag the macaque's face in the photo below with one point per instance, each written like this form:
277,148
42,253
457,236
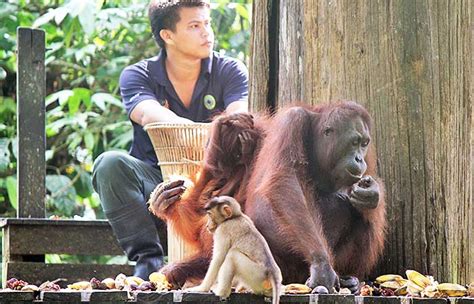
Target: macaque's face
215,217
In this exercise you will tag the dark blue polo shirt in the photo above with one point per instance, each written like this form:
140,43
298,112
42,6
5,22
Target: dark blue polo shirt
222,80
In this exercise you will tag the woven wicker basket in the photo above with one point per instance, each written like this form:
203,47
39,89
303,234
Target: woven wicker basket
179,147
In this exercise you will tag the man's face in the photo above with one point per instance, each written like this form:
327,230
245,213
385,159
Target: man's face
193,35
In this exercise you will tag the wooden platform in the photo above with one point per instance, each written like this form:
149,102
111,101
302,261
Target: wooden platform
26,241
149,297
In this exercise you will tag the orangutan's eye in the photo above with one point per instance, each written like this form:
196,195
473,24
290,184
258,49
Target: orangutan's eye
328,131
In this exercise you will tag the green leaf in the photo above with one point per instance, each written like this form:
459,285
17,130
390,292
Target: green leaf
3,73
89,140
242,10
83,184
60,14
4,154
12,191
61,96
7,9
73,104
53,258
99,99
86,11
83,95
63,193
44,18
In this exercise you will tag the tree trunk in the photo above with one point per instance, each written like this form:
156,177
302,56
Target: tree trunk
409,62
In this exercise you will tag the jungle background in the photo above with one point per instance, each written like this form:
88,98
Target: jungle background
89,42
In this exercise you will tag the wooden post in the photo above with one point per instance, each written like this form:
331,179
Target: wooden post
409,62
31,165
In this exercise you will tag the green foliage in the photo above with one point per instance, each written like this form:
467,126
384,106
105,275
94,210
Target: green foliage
89,43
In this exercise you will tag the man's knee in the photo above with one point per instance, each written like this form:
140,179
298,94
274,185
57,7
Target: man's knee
109,166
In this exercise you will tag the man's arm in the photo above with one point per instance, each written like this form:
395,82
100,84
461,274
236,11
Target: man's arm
237,107
150,110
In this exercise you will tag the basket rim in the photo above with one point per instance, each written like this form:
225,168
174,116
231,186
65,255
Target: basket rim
167,125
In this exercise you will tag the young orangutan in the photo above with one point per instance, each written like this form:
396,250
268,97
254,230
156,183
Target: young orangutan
234,140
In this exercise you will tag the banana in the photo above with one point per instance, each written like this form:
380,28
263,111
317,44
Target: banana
82,285
296,288
402,291
394,285
452,290
136,280
120,281
109,282
413,289
157,277
470,290
431,291
418,278
30,288
387,277
160,281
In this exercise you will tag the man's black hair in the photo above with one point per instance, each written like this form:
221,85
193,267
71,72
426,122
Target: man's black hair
164,14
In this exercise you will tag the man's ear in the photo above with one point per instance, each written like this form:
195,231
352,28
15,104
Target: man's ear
166,36
226,211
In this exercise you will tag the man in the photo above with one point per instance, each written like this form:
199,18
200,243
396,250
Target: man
187,82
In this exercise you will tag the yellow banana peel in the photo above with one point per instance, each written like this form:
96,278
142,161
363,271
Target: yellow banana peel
431,291
418,278
387,278
413,289
394,285
452,290
82,285
109,282
296,288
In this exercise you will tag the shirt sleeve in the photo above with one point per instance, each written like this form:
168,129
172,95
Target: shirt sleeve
236,86
135,86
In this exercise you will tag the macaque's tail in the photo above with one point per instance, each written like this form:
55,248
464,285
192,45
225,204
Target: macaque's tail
276,290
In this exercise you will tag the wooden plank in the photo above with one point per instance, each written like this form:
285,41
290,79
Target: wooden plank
428,301
464,300
60,237
37,273
151,297
335,299
60,296
31,86
377,300
241,298
108,296
9,296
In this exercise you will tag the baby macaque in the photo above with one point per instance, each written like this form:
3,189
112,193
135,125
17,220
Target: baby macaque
240,253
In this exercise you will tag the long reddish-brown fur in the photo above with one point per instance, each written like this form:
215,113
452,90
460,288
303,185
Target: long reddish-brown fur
284,191
220,175
297,218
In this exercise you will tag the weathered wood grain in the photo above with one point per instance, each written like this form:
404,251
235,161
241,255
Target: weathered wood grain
34,237
409,62
31,164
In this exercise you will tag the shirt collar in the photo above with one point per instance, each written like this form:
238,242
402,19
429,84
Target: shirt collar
158,70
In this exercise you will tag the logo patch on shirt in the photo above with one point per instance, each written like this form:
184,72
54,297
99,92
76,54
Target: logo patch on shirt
209,102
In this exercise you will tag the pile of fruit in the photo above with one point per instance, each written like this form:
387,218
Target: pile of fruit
415,285
157,281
